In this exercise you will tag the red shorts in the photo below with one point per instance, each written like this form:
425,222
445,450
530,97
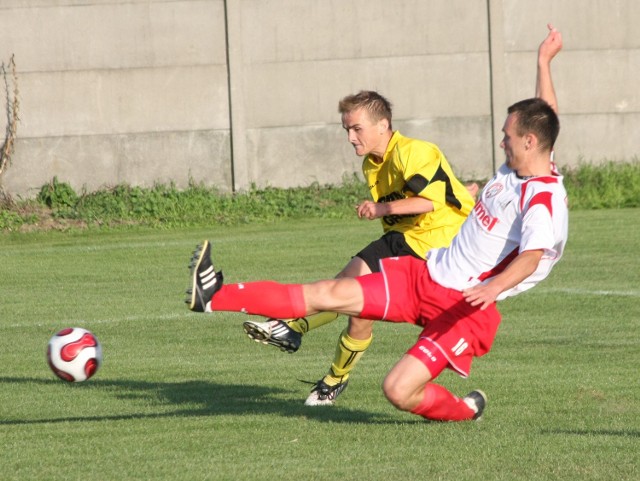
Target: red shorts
453,330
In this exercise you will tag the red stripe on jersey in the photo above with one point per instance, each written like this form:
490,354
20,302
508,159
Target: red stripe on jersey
542,198
544,180
501,266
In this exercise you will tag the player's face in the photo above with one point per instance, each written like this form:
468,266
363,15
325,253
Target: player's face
366,136
512,143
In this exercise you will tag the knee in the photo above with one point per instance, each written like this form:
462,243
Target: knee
357,267
397,396
320,294
329,295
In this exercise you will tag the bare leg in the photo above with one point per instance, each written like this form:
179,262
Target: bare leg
409,387
404,384
336,295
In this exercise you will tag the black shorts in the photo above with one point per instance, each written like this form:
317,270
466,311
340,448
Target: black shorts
392,244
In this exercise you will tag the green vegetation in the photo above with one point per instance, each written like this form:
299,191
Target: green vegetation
610,185
165,205
58,206
184,396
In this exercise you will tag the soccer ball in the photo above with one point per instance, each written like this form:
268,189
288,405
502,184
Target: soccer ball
74,354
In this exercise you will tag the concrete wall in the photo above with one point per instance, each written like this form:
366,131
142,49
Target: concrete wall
240,92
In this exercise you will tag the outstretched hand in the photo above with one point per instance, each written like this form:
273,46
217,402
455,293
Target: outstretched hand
551,45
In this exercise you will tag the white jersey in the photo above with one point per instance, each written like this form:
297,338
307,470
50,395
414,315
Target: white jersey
513,215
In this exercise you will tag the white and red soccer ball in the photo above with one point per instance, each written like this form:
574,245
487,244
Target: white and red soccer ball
74,354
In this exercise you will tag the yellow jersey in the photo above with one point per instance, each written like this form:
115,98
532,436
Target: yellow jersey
413,167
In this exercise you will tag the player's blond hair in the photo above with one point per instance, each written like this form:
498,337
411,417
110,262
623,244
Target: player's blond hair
375,104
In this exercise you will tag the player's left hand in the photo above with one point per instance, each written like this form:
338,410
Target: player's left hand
482,295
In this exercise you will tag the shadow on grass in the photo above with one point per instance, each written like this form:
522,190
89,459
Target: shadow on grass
198,398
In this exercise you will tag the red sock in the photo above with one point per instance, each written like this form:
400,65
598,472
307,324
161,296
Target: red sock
263,298
439,404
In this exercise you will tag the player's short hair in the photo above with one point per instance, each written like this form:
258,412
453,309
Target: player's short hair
537,117
375,104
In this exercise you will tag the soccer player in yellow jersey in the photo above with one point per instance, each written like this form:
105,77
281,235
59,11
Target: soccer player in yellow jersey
416,171
421,205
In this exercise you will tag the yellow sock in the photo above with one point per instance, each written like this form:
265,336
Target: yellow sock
348,353
309,323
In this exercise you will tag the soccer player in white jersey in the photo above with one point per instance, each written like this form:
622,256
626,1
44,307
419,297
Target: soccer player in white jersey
510,241
405,163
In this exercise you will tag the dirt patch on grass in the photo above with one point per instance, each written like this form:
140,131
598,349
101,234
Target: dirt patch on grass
38,217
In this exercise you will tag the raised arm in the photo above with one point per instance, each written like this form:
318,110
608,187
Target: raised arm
548,49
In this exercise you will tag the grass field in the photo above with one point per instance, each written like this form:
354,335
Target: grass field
183,396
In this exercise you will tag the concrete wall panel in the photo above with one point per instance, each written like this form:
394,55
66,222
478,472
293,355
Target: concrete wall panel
586,24
114,35
295,156
119,101
118,92
294,93
606,93
597,138
465,141
339,29
107,160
